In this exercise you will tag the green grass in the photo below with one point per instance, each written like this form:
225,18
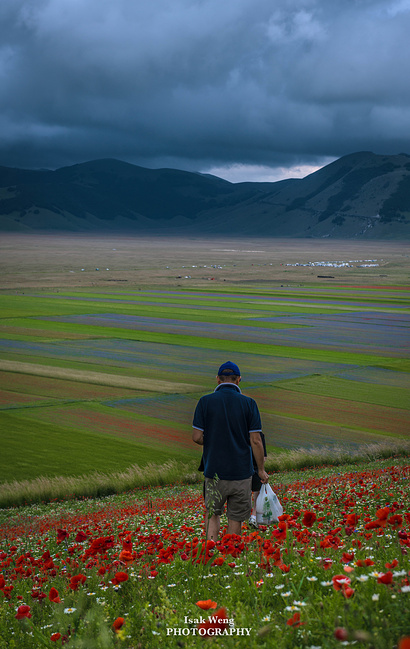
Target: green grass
331,386
33,448
219,302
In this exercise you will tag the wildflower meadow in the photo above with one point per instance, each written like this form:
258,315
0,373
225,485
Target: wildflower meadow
134,570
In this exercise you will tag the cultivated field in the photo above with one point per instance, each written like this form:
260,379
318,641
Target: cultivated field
106,345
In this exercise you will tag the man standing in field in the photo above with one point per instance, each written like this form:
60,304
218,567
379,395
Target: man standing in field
228,425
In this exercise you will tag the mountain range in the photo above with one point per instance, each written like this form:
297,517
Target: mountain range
361,195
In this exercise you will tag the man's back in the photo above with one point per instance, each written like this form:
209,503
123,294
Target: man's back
227,417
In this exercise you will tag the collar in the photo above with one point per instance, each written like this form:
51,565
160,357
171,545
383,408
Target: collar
229,385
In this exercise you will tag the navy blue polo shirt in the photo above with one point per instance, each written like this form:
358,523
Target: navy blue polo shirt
226,417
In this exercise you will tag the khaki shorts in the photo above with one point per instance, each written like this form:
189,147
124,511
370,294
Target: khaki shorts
235,493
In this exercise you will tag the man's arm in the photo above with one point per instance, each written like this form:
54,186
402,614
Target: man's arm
198,436
258,453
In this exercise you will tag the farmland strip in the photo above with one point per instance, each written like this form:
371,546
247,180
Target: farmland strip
94,377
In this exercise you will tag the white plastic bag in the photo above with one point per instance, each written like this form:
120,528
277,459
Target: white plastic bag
268,507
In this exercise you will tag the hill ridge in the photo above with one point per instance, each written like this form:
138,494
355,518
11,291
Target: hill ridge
361,195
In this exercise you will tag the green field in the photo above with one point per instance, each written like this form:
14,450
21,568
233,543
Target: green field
100,380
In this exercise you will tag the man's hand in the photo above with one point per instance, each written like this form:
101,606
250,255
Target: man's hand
263,476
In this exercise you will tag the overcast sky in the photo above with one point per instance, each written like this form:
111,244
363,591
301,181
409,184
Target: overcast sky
244,89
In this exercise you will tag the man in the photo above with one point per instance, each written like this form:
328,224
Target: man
228,425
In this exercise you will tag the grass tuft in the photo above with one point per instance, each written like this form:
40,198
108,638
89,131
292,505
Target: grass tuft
337,455
98,484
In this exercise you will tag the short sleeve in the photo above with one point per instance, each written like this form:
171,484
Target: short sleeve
198,421
255,424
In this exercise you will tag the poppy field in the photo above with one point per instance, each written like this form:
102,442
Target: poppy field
134,570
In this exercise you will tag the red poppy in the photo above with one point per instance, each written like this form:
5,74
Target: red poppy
341,633
383,513
76,581
347,591
404,643
308,519
81,536
53,596
339,581
22,612
37,594
61,535
55,636
119,577
118,623
395,521
361,563
391,565
386,578
126,557
281,531
294,621
351,519
206,604
127,543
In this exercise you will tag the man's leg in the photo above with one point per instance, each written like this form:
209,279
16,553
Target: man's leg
234,527
255,495
252,518
212,525
239,504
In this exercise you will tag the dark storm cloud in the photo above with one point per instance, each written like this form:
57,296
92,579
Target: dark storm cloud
198,84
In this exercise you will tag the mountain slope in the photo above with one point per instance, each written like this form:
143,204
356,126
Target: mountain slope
359,195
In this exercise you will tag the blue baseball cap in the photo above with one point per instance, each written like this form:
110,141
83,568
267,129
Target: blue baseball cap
229,368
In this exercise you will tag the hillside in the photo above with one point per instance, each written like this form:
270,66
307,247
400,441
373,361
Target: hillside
361,195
